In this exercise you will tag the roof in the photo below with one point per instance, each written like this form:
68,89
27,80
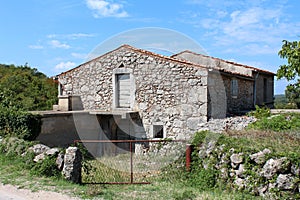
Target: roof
142,51
225,61
174,59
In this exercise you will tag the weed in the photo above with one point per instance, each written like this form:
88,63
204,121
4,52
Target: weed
260,112
47,167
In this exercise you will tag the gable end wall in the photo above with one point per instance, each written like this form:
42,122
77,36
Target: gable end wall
167,92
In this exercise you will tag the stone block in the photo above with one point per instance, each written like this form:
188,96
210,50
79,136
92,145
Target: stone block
193,123
72,165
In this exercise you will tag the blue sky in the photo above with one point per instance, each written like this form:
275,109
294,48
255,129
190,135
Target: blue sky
56,35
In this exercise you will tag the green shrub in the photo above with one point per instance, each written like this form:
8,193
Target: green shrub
199,137
12,146
260,112
47,167
17,123
277,123
203,179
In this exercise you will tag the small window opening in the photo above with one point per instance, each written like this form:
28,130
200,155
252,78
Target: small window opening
234,88
158,131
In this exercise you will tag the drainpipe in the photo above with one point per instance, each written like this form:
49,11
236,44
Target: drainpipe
254,95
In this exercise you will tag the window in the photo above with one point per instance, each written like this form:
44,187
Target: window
234,88
123,88
158,131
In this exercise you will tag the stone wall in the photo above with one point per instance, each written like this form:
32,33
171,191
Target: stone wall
262,98
261,173
222,102
167,91
244,100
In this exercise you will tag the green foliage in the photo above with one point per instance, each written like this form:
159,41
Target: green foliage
12,146
185,195
277,123
292,93
203,179
260,112
199,137
26,88
291,52
17,123
291,70
47,167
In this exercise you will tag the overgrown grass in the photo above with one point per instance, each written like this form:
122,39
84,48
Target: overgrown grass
172,183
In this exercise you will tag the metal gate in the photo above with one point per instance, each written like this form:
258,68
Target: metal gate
144,161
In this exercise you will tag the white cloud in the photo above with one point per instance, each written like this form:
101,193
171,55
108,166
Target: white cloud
71,36
63,66
103,8
248,28
58,44
37,46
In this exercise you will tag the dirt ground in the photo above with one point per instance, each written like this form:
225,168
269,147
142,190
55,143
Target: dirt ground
10,192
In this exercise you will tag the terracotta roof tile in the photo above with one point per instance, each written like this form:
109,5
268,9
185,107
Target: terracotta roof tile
226,61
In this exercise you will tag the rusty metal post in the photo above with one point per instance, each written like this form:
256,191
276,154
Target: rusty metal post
188,156
131,164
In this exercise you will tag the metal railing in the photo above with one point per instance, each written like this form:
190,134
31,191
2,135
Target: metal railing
144,158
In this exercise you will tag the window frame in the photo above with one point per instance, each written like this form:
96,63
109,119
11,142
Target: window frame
234,88
116,72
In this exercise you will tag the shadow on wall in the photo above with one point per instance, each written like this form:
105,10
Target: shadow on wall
62,129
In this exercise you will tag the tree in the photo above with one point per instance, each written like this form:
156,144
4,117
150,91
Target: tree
26,88
291,70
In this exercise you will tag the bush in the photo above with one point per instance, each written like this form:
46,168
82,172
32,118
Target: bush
260,112
12,146
277,123
47,167
17,123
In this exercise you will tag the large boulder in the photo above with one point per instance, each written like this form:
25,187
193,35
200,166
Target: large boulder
236,159
260,157
72,165
285,181
39,149
42,156
274,166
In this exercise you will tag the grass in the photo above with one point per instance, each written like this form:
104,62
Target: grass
166,183
12,171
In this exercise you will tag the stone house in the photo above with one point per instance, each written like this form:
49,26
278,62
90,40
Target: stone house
130,93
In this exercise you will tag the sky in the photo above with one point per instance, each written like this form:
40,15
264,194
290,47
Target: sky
54,35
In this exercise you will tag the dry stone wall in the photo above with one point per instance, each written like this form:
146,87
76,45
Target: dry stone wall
261,173
167,91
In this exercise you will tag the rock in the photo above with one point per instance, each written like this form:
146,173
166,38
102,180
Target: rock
240,171
272,167
285,181
72,165
236,159
193,123
39,157
240,183
39,149
52,151
262,189
259,157
231,123
295,169
224,173
60,161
